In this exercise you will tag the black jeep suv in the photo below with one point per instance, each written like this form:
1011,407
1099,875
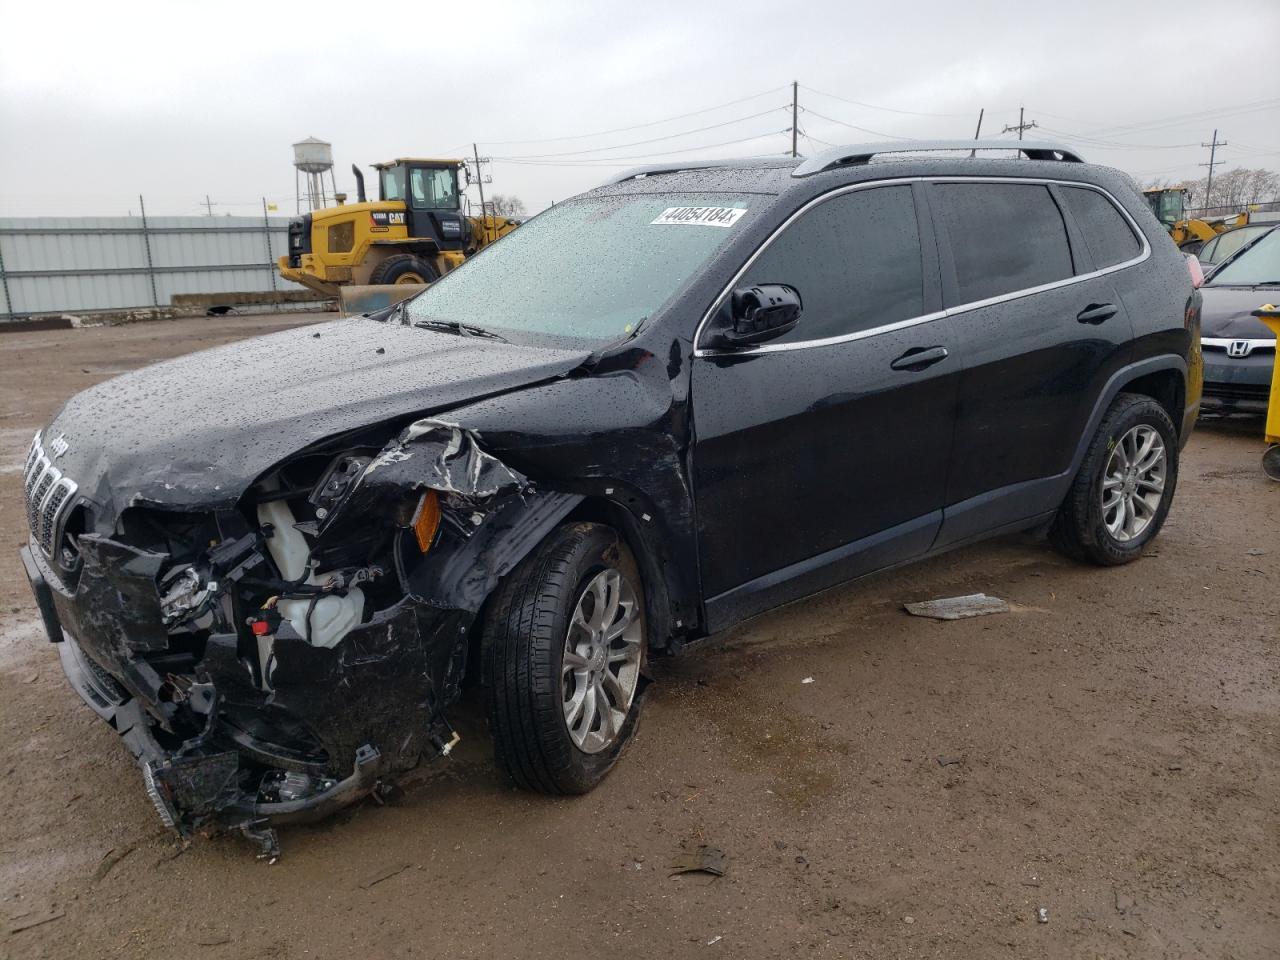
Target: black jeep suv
659,408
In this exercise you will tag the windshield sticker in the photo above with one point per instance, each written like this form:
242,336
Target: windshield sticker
702,216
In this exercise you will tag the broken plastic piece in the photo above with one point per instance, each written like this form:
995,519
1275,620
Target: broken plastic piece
958,608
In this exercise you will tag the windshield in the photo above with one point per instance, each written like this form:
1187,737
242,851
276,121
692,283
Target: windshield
1259,263
1225,244
591,269
1167,205
393,183
433,188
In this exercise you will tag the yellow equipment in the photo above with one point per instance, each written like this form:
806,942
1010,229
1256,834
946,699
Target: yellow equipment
1270,315
413,233
1169,204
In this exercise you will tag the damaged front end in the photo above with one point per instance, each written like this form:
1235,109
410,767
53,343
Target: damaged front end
276,660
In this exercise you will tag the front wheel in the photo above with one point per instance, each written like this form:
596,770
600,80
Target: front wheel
564,647
1120,498
404,268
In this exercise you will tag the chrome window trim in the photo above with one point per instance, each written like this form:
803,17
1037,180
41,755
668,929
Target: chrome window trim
1143,255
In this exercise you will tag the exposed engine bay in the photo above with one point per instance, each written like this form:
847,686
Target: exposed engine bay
277,660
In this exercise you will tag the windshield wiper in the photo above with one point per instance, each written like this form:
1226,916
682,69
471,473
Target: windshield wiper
461,329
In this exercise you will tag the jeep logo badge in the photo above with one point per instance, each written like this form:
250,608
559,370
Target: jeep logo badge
58,446
1239,348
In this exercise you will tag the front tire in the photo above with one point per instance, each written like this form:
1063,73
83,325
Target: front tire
1120,498
564,644
404,268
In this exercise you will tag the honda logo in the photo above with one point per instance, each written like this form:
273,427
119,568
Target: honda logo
1239,348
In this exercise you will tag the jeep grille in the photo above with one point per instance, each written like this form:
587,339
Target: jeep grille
48,494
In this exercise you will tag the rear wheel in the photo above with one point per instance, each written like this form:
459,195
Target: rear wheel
1120,498
404,268
564,646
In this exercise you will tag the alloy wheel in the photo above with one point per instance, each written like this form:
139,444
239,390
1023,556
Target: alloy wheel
601,664
1133,482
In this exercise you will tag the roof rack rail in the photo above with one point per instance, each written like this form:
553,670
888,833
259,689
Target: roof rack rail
860,153
650,169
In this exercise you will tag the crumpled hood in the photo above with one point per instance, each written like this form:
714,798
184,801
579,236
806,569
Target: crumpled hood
1225,313
197,430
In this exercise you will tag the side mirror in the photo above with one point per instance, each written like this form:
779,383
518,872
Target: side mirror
757,314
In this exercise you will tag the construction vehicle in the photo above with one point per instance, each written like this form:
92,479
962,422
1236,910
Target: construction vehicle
416,231
1169,204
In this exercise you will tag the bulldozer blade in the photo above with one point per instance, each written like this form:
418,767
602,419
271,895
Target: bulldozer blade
355,300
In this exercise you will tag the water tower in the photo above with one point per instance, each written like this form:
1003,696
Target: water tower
312,159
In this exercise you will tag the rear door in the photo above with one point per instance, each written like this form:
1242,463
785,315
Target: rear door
1042,330
823,454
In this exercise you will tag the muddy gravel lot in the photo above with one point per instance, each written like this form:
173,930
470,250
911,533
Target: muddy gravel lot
882,785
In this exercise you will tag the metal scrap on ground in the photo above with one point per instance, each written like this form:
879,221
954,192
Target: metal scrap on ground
702,859
957,608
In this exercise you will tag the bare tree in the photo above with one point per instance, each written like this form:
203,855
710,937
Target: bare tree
1237,188
505,205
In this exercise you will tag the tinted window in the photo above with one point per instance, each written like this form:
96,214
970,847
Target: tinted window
1106,232
1004,237
855,260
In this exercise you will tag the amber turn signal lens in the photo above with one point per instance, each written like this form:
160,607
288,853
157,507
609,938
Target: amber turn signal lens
426,521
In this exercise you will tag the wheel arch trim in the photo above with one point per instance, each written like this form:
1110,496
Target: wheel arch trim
1115,385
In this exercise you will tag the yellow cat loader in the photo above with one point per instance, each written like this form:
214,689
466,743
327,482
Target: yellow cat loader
413,233
1169,206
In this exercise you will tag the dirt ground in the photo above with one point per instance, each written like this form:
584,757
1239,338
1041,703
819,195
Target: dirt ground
1107,751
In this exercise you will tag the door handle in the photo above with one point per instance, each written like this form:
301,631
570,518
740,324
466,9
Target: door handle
917,358
1096,313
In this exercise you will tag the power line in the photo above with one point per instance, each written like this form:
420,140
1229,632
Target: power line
851,126
640,126
1116,144
637,143
606,165
643,156
872,106
1189,118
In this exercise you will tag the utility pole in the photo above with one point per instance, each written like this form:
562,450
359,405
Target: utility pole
795,115
266,233
1022,124
146,244
208,205
1213,146
479,176
978,133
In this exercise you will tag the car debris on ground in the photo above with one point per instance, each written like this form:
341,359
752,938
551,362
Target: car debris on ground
958,608
702,859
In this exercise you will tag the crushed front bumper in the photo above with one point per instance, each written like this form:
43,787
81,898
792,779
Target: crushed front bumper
374,702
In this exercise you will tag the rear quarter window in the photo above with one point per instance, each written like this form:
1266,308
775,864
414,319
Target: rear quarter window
1107,233
1004,237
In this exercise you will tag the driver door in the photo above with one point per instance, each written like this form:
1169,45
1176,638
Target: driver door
823,454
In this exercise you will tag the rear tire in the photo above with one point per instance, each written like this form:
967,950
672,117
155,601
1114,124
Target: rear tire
404,268
569,614
1120,498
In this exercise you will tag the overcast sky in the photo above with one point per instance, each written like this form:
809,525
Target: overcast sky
102,101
